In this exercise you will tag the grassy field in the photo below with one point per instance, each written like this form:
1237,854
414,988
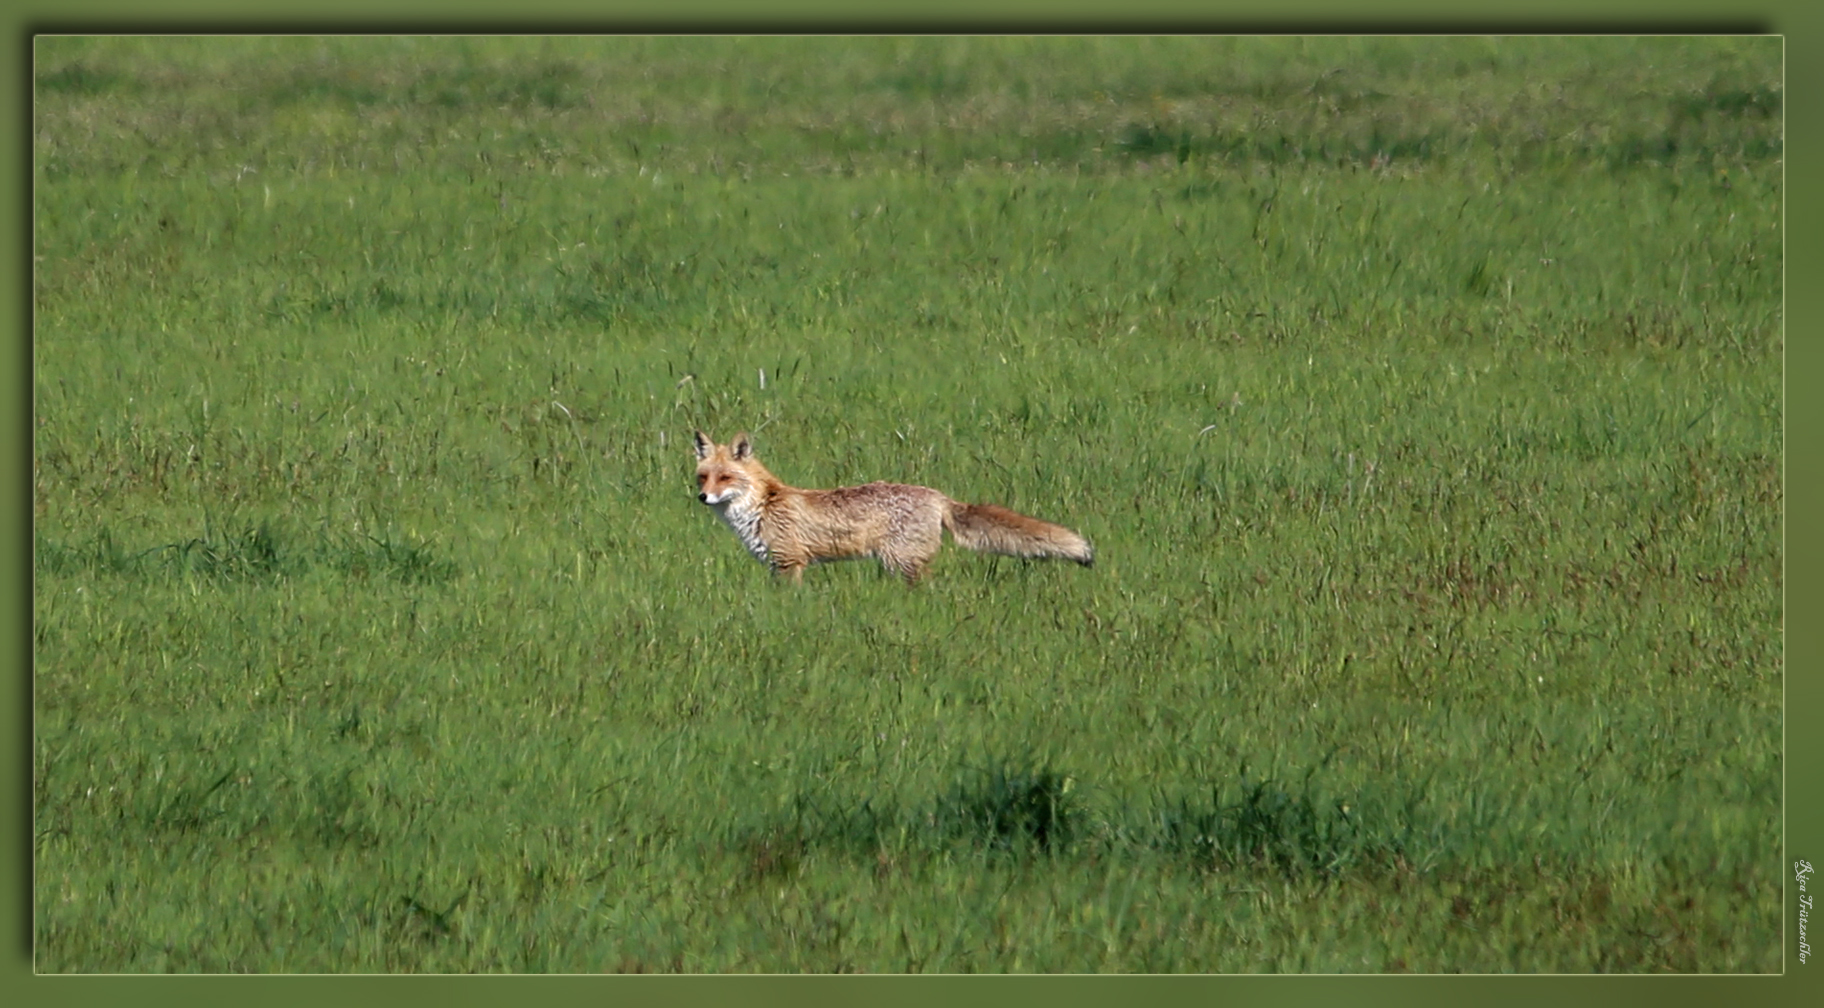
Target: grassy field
1421,397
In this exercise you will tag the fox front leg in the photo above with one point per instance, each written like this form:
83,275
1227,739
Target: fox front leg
789,567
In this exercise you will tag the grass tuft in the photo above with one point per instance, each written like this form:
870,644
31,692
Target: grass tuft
260,553
1263,824
1015,806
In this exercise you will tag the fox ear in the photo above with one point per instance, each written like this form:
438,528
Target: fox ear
741,447
704,445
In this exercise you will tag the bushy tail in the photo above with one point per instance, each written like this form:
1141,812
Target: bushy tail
994,529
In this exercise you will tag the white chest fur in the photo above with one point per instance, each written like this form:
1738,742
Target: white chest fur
744,519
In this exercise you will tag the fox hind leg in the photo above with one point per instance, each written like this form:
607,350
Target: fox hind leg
910,568
909,559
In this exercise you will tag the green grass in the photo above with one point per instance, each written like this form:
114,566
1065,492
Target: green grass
1421,397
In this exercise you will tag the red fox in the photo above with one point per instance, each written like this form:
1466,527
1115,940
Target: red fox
787,528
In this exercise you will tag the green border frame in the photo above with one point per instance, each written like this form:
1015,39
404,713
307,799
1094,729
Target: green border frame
1800,22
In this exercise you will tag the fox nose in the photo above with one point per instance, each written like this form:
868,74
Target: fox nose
703,497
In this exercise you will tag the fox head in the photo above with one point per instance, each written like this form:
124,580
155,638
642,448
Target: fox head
723,470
